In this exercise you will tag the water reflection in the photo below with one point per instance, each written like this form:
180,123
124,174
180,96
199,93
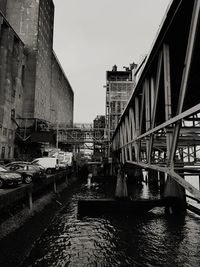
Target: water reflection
150,240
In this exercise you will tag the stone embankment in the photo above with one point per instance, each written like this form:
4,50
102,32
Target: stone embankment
18,205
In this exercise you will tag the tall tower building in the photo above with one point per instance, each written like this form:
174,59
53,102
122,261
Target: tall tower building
33,21
119,86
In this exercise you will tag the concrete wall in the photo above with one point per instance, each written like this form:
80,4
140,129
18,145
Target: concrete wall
44,57
33,21
62,95
3,6
45,93
12,62
23,16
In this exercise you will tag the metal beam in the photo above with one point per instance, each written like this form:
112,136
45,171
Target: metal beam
181,116
186,72
155,103
173,174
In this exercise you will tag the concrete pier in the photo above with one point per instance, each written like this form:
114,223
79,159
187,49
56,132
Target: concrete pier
121,186
175,198
25,192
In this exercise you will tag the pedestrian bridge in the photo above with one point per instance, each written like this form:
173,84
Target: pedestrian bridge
160,127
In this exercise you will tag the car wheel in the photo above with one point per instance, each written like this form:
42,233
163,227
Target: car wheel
28,179
1,183
48,171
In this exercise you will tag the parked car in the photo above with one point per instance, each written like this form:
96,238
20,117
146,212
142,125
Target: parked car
28,171
27,163
50,164
9,178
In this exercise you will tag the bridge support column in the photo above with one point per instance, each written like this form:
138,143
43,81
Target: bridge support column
152,177
89,179
121,186
174,196
162,183
145,174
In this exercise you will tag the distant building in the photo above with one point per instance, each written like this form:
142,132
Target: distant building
119,86
99,122
99,132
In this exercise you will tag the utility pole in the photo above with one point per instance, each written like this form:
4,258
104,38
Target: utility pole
57,126
57,134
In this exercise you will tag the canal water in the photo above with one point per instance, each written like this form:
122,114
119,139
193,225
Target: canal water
153,239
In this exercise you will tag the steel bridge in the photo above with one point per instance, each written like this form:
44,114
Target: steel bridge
82,135
160,127
78,136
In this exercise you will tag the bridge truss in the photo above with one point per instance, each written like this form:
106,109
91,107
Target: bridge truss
160,126
81,135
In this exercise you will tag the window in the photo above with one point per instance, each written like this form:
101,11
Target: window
4,131
13,93
10,134
12,113
3,150
9,151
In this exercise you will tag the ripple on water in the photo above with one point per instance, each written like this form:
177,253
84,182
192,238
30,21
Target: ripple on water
150,240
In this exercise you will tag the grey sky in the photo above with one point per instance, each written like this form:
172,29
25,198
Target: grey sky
90,36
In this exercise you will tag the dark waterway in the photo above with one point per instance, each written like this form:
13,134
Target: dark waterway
147,240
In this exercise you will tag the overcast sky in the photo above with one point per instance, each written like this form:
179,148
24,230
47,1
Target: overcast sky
90,36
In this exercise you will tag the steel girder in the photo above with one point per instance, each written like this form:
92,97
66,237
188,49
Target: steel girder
159,129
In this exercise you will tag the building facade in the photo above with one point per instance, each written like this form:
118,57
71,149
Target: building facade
62,96
47,95
33,21
12,62
119,86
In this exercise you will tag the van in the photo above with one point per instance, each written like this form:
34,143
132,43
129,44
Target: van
65,158
49,164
